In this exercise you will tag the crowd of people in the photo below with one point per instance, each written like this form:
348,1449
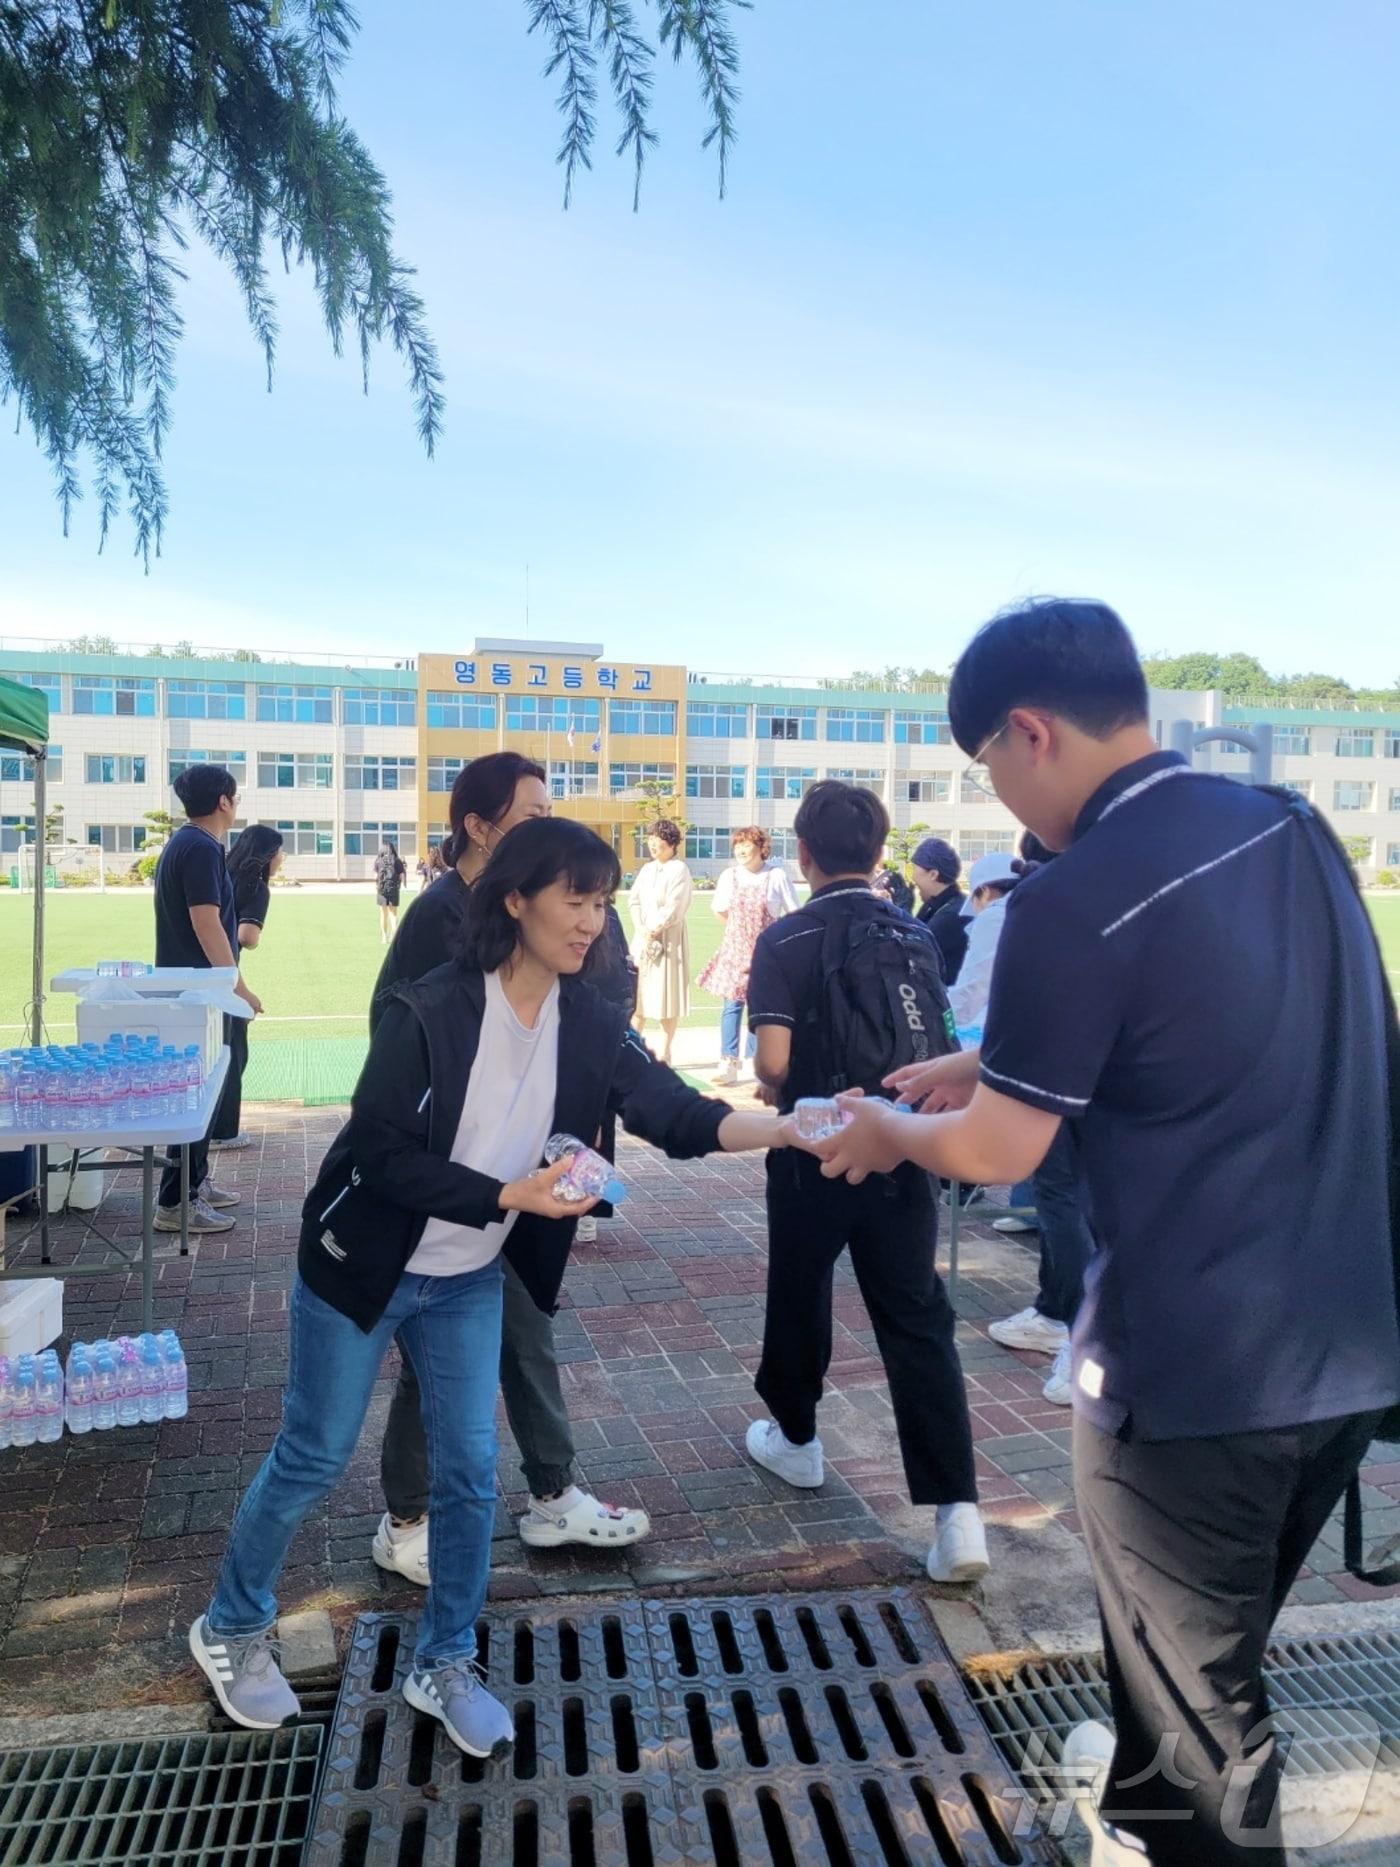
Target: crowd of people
1166,1020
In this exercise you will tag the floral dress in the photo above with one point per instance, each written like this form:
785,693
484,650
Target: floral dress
750,903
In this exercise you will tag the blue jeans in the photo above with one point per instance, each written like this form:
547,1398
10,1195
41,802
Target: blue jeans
451,1330
729,1021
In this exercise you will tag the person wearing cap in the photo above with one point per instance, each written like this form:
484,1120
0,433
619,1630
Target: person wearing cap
990,881
937,867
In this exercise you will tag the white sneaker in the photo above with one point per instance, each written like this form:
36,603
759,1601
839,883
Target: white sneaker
576,1517
1086,1760
768,1445
1013,1224
959,1552
219,1197
727,1075
1059,1385
403,1548
202,1219
234,1141
1029,1329
586,1231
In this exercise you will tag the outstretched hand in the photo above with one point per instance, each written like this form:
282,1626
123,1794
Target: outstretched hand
874,1140
536,1193
946,1083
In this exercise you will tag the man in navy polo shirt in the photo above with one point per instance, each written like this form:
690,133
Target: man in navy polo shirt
1194,984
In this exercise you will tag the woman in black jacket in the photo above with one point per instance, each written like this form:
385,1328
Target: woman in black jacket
470,1070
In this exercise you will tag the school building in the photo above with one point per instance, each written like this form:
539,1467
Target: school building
338,757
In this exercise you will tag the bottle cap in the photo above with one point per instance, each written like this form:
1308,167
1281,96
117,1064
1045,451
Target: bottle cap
614,1192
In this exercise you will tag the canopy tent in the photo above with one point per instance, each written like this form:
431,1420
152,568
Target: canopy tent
24,725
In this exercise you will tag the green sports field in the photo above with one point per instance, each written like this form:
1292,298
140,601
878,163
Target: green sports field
313,971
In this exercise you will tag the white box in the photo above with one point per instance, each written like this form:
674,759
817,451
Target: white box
31,1315
169,1019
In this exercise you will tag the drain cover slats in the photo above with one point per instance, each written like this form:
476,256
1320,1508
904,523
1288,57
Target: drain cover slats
753,1730
202,1799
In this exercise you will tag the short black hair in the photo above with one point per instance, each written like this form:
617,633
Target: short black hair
668,832
527,860
1071,656
199,788
843,826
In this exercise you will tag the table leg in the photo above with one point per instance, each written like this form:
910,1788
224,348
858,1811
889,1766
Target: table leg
148,1235
185,1201
43,1205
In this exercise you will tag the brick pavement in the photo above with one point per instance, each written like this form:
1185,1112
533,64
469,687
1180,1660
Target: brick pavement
107,1544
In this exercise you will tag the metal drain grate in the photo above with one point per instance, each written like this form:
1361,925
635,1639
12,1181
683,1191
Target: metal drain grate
726,1733
201,1800
1333,1696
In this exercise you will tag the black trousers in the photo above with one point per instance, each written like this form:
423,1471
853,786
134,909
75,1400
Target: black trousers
169,1193
1066,1243
1195,1544
890,1224
229,1113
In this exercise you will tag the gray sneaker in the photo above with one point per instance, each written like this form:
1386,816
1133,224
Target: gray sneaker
455,1694
246,1678
234,1141
202,1219
219,1197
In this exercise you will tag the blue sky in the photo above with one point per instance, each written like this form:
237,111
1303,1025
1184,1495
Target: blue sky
1053,295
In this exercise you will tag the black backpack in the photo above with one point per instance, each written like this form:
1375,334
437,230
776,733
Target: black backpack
1381,1568
882,1002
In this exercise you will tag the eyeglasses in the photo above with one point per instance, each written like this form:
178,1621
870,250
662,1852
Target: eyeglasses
978,773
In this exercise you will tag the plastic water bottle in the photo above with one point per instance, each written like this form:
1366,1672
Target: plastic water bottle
177,1376
817,1118
24,1423
194,1077
152,1381
78,1390
589,1175
9,1079
172,1076
4,1402
129,1385
48,1398
104,1388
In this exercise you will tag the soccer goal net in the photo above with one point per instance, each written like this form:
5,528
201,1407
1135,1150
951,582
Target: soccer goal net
66,865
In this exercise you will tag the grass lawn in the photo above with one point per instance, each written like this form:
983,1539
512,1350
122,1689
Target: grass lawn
314,972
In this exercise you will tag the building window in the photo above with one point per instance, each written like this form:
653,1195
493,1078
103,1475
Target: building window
857,725
573,778
363,839
381,774
631,777
922,729
716,719
438,834
1394,798
1392,855
714,781
923,790
989,843
16,833
234,762
635,717
1392,743
115,768
380,706
1353,794
706,845
775,782
116,839
970,793
49,685
442,772
553,713
1356,742
1293,741
285,705
784,845
297,771
123,696
18,767
867,777
455,708
1303,786
307,839
786,722
206,700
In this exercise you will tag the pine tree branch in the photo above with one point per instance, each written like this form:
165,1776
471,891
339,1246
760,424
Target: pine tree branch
613,25
702,27
578,93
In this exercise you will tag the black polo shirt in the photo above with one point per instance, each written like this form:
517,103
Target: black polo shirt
1197,987
191,872
785,979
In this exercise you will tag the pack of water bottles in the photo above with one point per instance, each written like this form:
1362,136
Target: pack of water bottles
132,1381
129,1080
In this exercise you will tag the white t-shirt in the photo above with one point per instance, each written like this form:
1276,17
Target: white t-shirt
970,995
505,1122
